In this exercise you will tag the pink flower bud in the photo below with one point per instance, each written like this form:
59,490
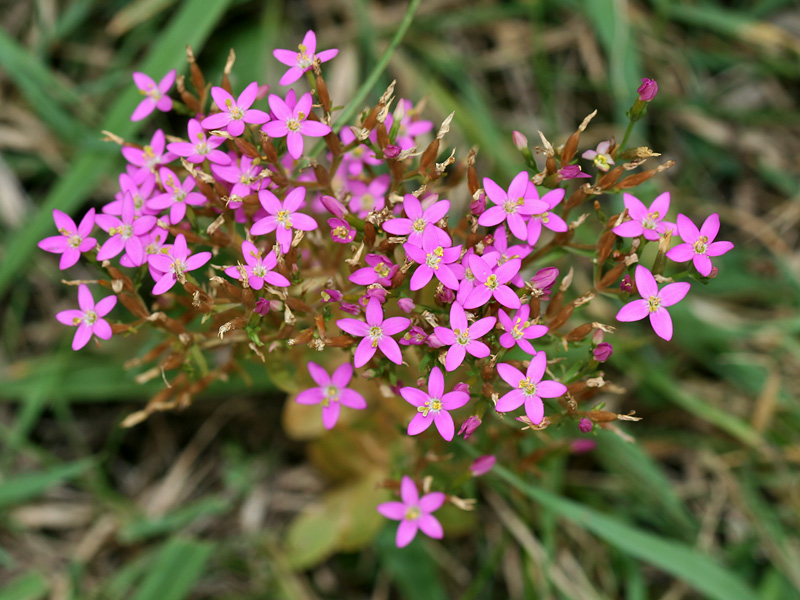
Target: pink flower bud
391,151
353,309
648,90
582,446
714,273
446,296
585,425
520,141
421,382
544,280
603,352
572,172
469,426
461,387
333,206
262,306
406,304
482,465
478,207
331,295
597,337
433,341
626,285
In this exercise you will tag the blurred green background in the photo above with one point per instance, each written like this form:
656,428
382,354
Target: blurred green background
705,504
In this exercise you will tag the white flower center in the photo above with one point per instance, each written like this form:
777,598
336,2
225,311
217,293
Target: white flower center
376,333
527,386
432,405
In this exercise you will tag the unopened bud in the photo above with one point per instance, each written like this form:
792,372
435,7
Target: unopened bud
603,352
520,141
648,90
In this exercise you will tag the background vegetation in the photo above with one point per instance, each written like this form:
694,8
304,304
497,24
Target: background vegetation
196,504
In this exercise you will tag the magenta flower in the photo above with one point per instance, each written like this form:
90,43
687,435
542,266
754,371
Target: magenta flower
175,264
376,332
512,206
89,319
469,426
235,113
243,175
125,232
603,352
332,392
150,157
648,90
257,270
546,218
585,425
414,513
140,191
293,123
542,283
600,156
156,97
506,253
415,336
176,196
341,231
648,222
418,220
433,407
433,259
73,239
482,465
379,270
302,61
283,216
572,172
463,338
519,329
366,198
654,302
529,389
200,147
491,282
699,246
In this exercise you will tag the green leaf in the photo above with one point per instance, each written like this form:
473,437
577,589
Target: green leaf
175,570
412,568
143,529
31,586
30,485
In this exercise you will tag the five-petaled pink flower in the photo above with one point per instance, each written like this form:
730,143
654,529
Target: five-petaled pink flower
257,270
341,231
463,338
699,245
645,221
293,123
492,283
529,389
332,392
433,406
175,264
379,270
414,513
125,232
200,147
519,329
235,113
176,196
600,156
302,61
155,93
418,220
73,239
376,332
654,302
513,206
434,258
283,216
89,319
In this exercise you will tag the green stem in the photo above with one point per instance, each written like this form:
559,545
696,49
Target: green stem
625,138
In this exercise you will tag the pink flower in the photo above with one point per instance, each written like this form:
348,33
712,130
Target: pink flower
699,246
73,239
603,352
419,220
434,259
140,191
478,205
433,406
414,513
243,175
415,336
376,333
546,218
235,113
156,97
176,196
331,295
542,283
257,270
519,329
512,206
482,465
654,302
332,392
469,426
505,252
601,158
199,147
529,389
151,156
491,282
302,61
463,338
648,222
405,304
175,264
366,198
626,285
648,90
585,425
572,172
283,216
379,270
125,233
89,319
341,231
293,124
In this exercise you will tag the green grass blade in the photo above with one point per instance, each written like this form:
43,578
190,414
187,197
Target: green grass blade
191,25
683,562
176,569
30,485
143,529
31,586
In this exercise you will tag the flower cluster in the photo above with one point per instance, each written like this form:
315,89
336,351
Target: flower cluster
219,237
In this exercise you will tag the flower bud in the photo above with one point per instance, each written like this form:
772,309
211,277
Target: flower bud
603,352
461,387
415,336
433,341
626,285
352,309
520,141
406,304
585,425
648,90
543,281
482,465
572,172
469,426
446,296
478,206
262,306
597,337
331,295
333,206
392,151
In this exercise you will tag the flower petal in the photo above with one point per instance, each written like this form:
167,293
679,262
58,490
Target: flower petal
537,367
662,323
330,414
406,533
455,356
392,510
550,389
534,408
408,491
511,375
633,311
645,282
510,401
710,227
444,423
390,349
673,293
353,327
318,374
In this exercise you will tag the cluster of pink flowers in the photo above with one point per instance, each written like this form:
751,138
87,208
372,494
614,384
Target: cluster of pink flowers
240,188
